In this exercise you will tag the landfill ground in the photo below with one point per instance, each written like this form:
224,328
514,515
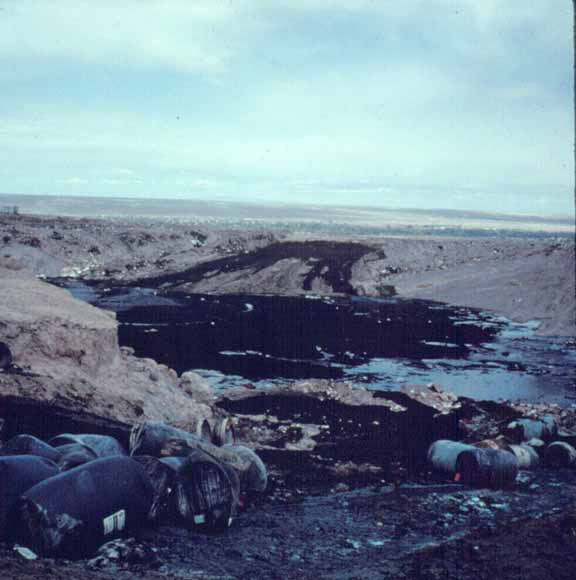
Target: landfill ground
343,518
431,531
364,522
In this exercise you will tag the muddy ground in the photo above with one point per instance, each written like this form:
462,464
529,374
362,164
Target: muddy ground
332,515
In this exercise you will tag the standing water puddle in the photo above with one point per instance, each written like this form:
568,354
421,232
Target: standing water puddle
380,342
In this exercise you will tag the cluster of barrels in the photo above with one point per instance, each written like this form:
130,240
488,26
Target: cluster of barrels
67,496
527,444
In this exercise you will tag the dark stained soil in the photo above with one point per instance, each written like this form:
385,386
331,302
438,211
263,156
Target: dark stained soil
330,261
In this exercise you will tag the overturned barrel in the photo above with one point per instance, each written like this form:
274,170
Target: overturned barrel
524,429
29,445
206,492
156,437
443,454
101,445
74,454
526,455
71,514
486,467
18,473
250,468
162,475
560,454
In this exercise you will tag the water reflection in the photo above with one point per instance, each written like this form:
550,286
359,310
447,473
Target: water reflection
235,340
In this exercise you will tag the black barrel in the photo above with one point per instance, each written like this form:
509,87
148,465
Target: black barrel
206,492
74,454
560,454
486,467
29,445
162,476
18,473
156,438
71,514
101,445
5,356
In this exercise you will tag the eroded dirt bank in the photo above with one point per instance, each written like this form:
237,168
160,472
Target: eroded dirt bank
67,352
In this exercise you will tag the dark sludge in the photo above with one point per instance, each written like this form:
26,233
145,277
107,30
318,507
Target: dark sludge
206,491
101,445
18,473
29,445
71,514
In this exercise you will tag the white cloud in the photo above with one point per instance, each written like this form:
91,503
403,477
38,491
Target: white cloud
74,181
179,34
422,94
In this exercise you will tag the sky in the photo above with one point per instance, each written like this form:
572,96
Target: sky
458,104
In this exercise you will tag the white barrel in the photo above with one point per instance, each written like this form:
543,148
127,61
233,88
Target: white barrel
224,432
443,454
526,456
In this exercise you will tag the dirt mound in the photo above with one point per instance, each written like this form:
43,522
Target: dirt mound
282,268
66,350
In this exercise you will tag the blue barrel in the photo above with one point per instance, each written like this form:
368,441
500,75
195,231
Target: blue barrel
486,467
